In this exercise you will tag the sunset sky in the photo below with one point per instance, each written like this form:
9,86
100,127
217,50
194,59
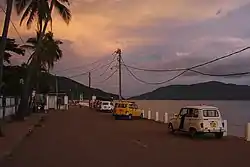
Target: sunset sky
155,34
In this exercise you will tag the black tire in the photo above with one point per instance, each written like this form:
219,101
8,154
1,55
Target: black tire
218,135
116,117
192,133
130,117
171,128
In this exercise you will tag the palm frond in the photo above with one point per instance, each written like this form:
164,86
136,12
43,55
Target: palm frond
31,16
63,11
7,57
30,47
21,5
26,13
65,1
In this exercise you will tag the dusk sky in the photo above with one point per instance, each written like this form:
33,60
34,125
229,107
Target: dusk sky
155,34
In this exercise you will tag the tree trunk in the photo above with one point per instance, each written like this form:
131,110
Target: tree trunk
4,37
2,48
23,107
24,102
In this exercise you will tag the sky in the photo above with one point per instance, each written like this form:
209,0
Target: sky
154,34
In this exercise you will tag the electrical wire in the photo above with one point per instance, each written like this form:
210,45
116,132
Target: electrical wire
196,66
91,70
83,66
108,66
195,71
108,77
188,69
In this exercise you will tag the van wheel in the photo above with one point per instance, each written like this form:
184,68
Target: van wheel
130,117
171,128
192,132
116,117
219,135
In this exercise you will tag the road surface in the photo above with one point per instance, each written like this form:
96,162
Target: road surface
82,137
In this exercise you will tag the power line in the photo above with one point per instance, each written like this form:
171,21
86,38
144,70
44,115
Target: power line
93,69
83,66
195,71
108,66
108,77
196,66
190,69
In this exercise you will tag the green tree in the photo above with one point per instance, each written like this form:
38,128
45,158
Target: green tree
42,10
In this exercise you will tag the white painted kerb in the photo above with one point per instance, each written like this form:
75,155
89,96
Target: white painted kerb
156,116
166,118
248,132
225,127
149,114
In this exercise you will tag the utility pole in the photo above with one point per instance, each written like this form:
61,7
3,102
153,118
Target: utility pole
119,52
90,88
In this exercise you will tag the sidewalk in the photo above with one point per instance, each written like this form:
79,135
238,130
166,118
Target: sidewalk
15,132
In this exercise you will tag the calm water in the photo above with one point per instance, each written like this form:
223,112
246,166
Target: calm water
237,113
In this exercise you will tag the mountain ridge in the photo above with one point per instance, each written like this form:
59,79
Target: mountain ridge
212,90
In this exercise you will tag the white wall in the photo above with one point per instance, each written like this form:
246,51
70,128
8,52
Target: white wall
10,107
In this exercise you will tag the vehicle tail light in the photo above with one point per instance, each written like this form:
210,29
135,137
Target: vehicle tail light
201,125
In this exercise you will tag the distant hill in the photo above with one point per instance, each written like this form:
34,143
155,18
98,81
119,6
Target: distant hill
201,91
12,75
73,89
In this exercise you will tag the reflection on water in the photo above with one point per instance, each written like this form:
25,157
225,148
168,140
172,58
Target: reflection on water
237,113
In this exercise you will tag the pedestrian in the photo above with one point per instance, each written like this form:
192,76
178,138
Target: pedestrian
58,103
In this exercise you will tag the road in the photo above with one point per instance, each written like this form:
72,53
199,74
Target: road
83,137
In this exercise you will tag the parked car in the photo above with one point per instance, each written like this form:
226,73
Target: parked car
198,119
106,106
127,109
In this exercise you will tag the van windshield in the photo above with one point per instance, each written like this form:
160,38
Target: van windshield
210,113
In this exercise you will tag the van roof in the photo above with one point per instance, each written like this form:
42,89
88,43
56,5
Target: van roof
202,107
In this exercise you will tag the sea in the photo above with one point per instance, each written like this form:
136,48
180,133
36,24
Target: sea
237,113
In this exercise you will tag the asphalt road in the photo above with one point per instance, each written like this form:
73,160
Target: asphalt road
86,138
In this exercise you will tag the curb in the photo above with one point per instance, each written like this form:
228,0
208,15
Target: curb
30,131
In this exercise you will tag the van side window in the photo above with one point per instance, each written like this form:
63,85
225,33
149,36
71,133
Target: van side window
135,106
122,106
183,111
195,113
131,106
190,112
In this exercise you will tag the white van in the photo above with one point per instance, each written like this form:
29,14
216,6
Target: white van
106,106
198,119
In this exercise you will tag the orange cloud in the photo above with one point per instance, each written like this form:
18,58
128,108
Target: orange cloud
94,26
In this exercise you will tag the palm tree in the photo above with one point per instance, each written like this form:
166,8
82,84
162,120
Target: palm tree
51,50
50,54
42,10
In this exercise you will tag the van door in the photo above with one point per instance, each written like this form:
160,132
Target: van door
188,119
181,118
137,111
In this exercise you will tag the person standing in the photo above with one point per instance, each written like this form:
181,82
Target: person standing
58,103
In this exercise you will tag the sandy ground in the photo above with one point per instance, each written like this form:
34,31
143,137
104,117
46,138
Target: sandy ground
84,137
